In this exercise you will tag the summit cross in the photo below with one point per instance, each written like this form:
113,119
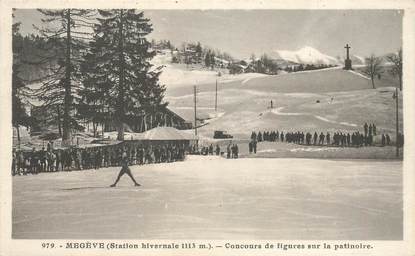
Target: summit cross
347,61
347,50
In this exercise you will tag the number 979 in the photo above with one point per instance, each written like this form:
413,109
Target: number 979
48,245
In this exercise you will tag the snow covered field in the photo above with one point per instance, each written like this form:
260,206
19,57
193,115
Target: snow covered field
215,198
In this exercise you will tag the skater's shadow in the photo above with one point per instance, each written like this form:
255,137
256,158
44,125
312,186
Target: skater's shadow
81,188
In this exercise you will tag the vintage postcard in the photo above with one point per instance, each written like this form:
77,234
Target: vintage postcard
207,128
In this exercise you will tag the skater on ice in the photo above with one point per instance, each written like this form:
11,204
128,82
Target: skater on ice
125,170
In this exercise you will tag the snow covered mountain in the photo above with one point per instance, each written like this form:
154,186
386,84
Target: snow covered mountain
305,55
310,55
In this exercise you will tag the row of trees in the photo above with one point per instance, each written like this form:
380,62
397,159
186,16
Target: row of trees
306,67
98,67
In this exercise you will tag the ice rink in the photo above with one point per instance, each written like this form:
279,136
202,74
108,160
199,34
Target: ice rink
216,198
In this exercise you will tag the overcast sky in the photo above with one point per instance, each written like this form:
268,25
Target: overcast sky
242,32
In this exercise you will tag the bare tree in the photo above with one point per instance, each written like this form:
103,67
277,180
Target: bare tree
396,60
373,68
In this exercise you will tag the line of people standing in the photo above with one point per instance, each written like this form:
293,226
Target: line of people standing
52,160
343,139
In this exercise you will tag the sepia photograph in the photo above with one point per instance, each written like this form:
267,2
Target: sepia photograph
219,124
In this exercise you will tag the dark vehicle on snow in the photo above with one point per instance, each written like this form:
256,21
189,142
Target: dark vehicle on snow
221,135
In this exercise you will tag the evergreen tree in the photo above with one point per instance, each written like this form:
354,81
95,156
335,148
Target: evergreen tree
207,59
265,61
64,43
212,60
128,81
198,50
19,115
93,106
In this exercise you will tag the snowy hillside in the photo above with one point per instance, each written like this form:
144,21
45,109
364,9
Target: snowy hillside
322,100
305,55
179,75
